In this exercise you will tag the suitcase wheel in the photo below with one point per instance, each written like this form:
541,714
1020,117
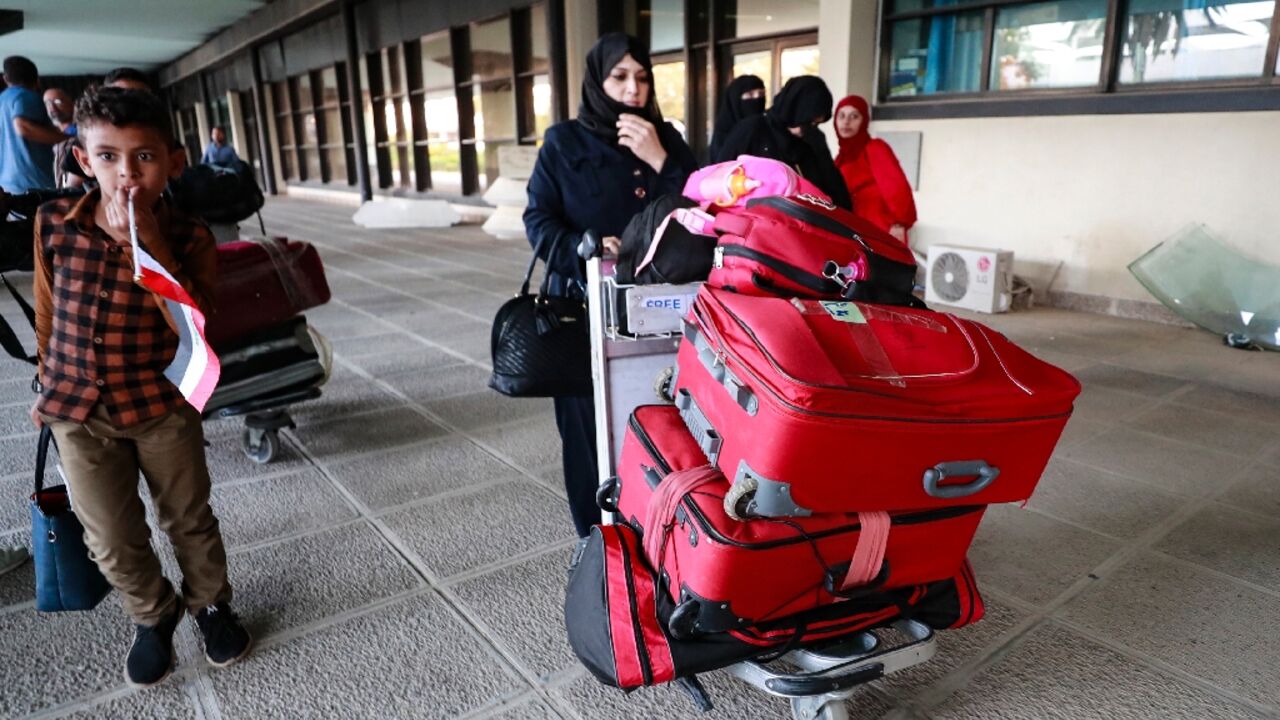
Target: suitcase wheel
683,622
740,498
260,445
664,386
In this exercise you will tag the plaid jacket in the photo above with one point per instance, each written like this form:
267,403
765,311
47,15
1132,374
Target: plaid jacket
100,337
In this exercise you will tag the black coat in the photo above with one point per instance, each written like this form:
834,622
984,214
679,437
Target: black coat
582,182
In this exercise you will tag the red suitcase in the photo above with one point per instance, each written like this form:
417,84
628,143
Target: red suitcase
725,573
820,406
780,245
261,283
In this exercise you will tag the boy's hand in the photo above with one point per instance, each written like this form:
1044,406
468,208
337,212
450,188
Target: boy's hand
35,415
116,208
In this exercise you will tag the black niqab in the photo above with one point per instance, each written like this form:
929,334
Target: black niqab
734,109
598,112
802,100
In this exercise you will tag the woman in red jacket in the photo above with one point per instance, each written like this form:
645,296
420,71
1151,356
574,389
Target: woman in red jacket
880,191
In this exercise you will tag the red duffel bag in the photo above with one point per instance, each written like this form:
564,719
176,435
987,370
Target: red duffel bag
781,246
818,406
263,282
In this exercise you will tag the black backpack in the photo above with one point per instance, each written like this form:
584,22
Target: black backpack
218,193
681,256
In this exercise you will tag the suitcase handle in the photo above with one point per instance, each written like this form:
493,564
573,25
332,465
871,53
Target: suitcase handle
986,474
741,393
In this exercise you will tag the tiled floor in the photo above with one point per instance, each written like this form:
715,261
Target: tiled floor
405,557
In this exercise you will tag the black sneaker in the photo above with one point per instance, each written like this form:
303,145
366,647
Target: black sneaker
225,639
151,656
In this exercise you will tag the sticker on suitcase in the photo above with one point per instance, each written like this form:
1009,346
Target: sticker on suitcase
843,311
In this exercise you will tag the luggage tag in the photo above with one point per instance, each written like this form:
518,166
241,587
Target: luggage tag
854,317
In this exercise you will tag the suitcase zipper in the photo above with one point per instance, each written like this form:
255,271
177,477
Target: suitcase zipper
807,280
691,507
643,651
793,209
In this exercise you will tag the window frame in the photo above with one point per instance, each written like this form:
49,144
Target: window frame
1107,96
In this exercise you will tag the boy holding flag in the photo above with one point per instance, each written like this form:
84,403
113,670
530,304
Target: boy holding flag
122,285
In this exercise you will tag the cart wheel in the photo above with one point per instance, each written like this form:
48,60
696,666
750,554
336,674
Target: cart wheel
803,709
261,449
683,622
664,385
737,502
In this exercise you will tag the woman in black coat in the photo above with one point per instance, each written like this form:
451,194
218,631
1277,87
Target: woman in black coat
788,132
596,172
743,98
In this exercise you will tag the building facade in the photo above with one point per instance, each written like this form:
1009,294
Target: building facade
1077,133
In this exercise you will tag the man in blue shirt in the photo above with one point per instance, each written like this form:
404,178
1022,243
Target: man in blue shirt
219,152
26,135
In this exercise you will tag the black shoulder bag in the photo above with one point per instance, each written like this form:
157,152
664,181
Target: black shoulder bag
541,345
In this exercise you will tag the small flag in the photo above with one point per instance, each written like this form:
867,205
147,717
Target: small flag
195,368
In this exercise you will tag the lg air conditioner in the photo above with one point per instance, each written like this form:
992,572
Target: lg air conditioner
969,278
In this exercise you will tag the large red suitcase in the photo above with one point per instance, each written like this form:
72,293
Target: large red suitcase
261,283
781,246
726,573
818,406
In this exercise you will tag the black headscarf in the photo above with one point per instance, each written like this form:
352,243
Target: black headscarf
598,112
734,109
800,101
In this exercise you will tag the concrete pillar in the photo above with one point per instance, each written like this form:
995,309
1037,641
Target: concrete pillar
579,35
202,124
236,134
847,37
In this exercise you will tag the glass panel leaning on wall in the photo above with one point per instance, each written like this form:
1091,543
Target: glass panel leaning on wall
1184,40
1048,44
936,54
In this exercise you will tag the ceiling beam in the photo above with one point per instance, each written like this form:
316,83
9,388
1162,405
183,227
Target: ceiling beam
272,19
10,21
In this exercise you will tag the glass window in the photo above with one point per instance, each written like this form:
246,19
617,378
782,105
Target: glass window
329,86
666,24
748,18
491,50
797,61
309,134
1054,44
668,83
538,24
937,54
758,63
541,104
437,61
1194,39
440,108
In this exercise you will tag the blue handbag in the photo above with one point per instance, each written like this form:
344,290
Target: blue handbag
66,577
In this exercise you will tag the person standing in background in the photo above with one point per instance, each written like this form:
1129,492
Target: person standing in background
743,98
26,135
218,151
879,188
60,108
595,173
788,133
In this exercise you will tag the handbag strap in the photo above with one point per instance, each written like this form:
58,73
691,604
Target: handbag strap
533,261
42,455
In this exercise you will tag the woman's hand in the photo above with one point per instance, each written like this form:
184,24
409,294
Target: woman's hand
612,245
899,232
641,138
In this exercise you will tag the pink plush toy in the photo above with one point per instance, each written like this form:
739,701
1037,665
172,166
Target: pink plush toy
734,182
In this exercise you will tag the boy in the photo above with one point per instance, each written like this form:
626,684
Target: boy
104,343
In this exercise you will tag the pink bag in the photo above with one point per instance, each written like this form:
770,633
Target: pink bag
733,182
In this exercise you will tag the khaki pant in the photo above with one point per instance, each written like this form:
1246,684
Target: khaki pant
101,464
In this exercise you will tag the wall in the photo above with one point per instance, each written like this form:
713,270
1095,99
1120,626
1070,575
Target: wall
1095,192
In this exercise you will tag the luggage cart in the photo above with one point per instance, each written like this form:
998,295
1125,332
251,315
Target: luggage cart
635,332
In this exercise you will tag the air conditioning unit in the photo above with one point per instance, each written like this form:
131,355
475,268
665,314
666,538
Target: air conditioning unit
969,278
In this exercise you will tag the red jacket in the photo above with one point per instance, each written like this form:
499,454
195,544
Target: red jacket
879,188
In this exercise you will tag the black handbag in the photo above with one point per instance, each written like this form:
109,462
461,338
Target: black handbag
541,345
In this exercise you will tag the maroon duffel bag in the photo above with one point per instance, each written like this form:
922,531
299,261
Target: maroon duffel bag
261,283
